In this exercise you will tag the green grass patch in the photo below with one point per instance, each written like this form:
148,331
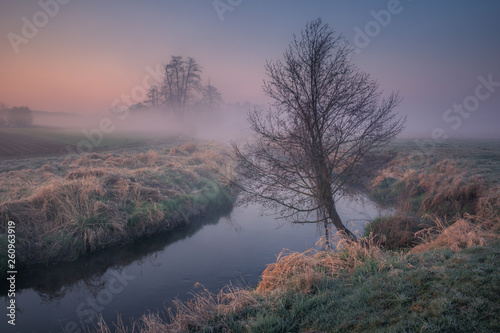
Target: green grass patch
62,246
93,221
387,191
213,196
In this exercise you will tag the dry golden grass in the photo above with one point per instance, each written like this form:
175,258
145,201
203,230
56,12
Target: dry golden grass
294,270
463,233
64,209
15,185
451,207
189,147
76,205
149,158
488,210
188,316
85,172
303,272
195,313
445,186
448,184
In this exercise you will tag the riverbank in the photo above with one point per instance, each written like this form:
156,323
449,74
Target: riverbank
354,290
75,205
433,266
458,182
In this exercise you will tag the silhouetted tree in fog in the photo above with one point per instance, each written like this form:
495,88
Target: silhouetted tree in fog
211,96
326,117
182,80
3,113
182,87
137,107
153,96
19,116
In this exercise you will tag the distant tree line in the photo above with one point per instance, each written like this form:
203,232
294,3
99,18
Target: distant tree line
16,116
182,89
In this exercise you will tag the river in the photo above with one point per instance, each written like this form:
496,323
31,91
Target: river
146,276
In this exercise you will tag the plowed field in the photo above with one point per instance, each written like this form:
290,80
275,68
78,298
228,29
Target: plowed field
19,145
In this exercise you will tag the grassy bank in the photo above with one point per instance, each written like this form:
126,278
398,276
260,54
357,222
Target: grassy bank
434,266
74,205
357,289
432,192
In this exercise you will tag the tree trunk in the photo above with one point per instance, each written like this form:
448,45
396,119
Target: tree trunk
327,236
337,222
329,204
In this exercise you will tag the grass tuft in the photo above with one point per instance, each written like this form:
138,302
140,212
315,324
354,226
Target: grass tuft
461,234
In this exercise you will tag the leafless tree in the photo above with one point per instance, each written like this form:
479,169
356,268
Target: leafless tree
308,147
182,79
153,96
211,96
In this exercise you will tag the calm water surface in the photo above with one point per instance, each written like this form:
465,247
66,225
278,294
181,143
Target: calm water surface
146,276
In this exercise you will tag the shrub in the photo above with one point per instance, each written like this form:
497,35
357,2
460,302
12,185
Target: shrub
398,231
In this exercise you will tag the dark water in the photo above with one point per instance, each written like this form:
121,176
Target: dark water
143,277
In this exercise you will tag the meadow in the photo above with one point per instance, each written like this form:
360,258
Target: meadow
433,266
69,205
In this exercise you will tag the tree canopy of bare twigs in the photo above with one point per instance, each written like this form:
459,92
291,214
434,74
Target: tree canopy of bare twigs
327,116
211,96
182,79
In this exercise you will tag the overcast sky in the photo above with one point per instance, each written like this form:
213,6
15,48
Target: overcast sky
442,56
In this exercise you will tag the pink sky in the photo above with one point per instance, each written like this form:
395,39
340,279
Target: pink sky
91,53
